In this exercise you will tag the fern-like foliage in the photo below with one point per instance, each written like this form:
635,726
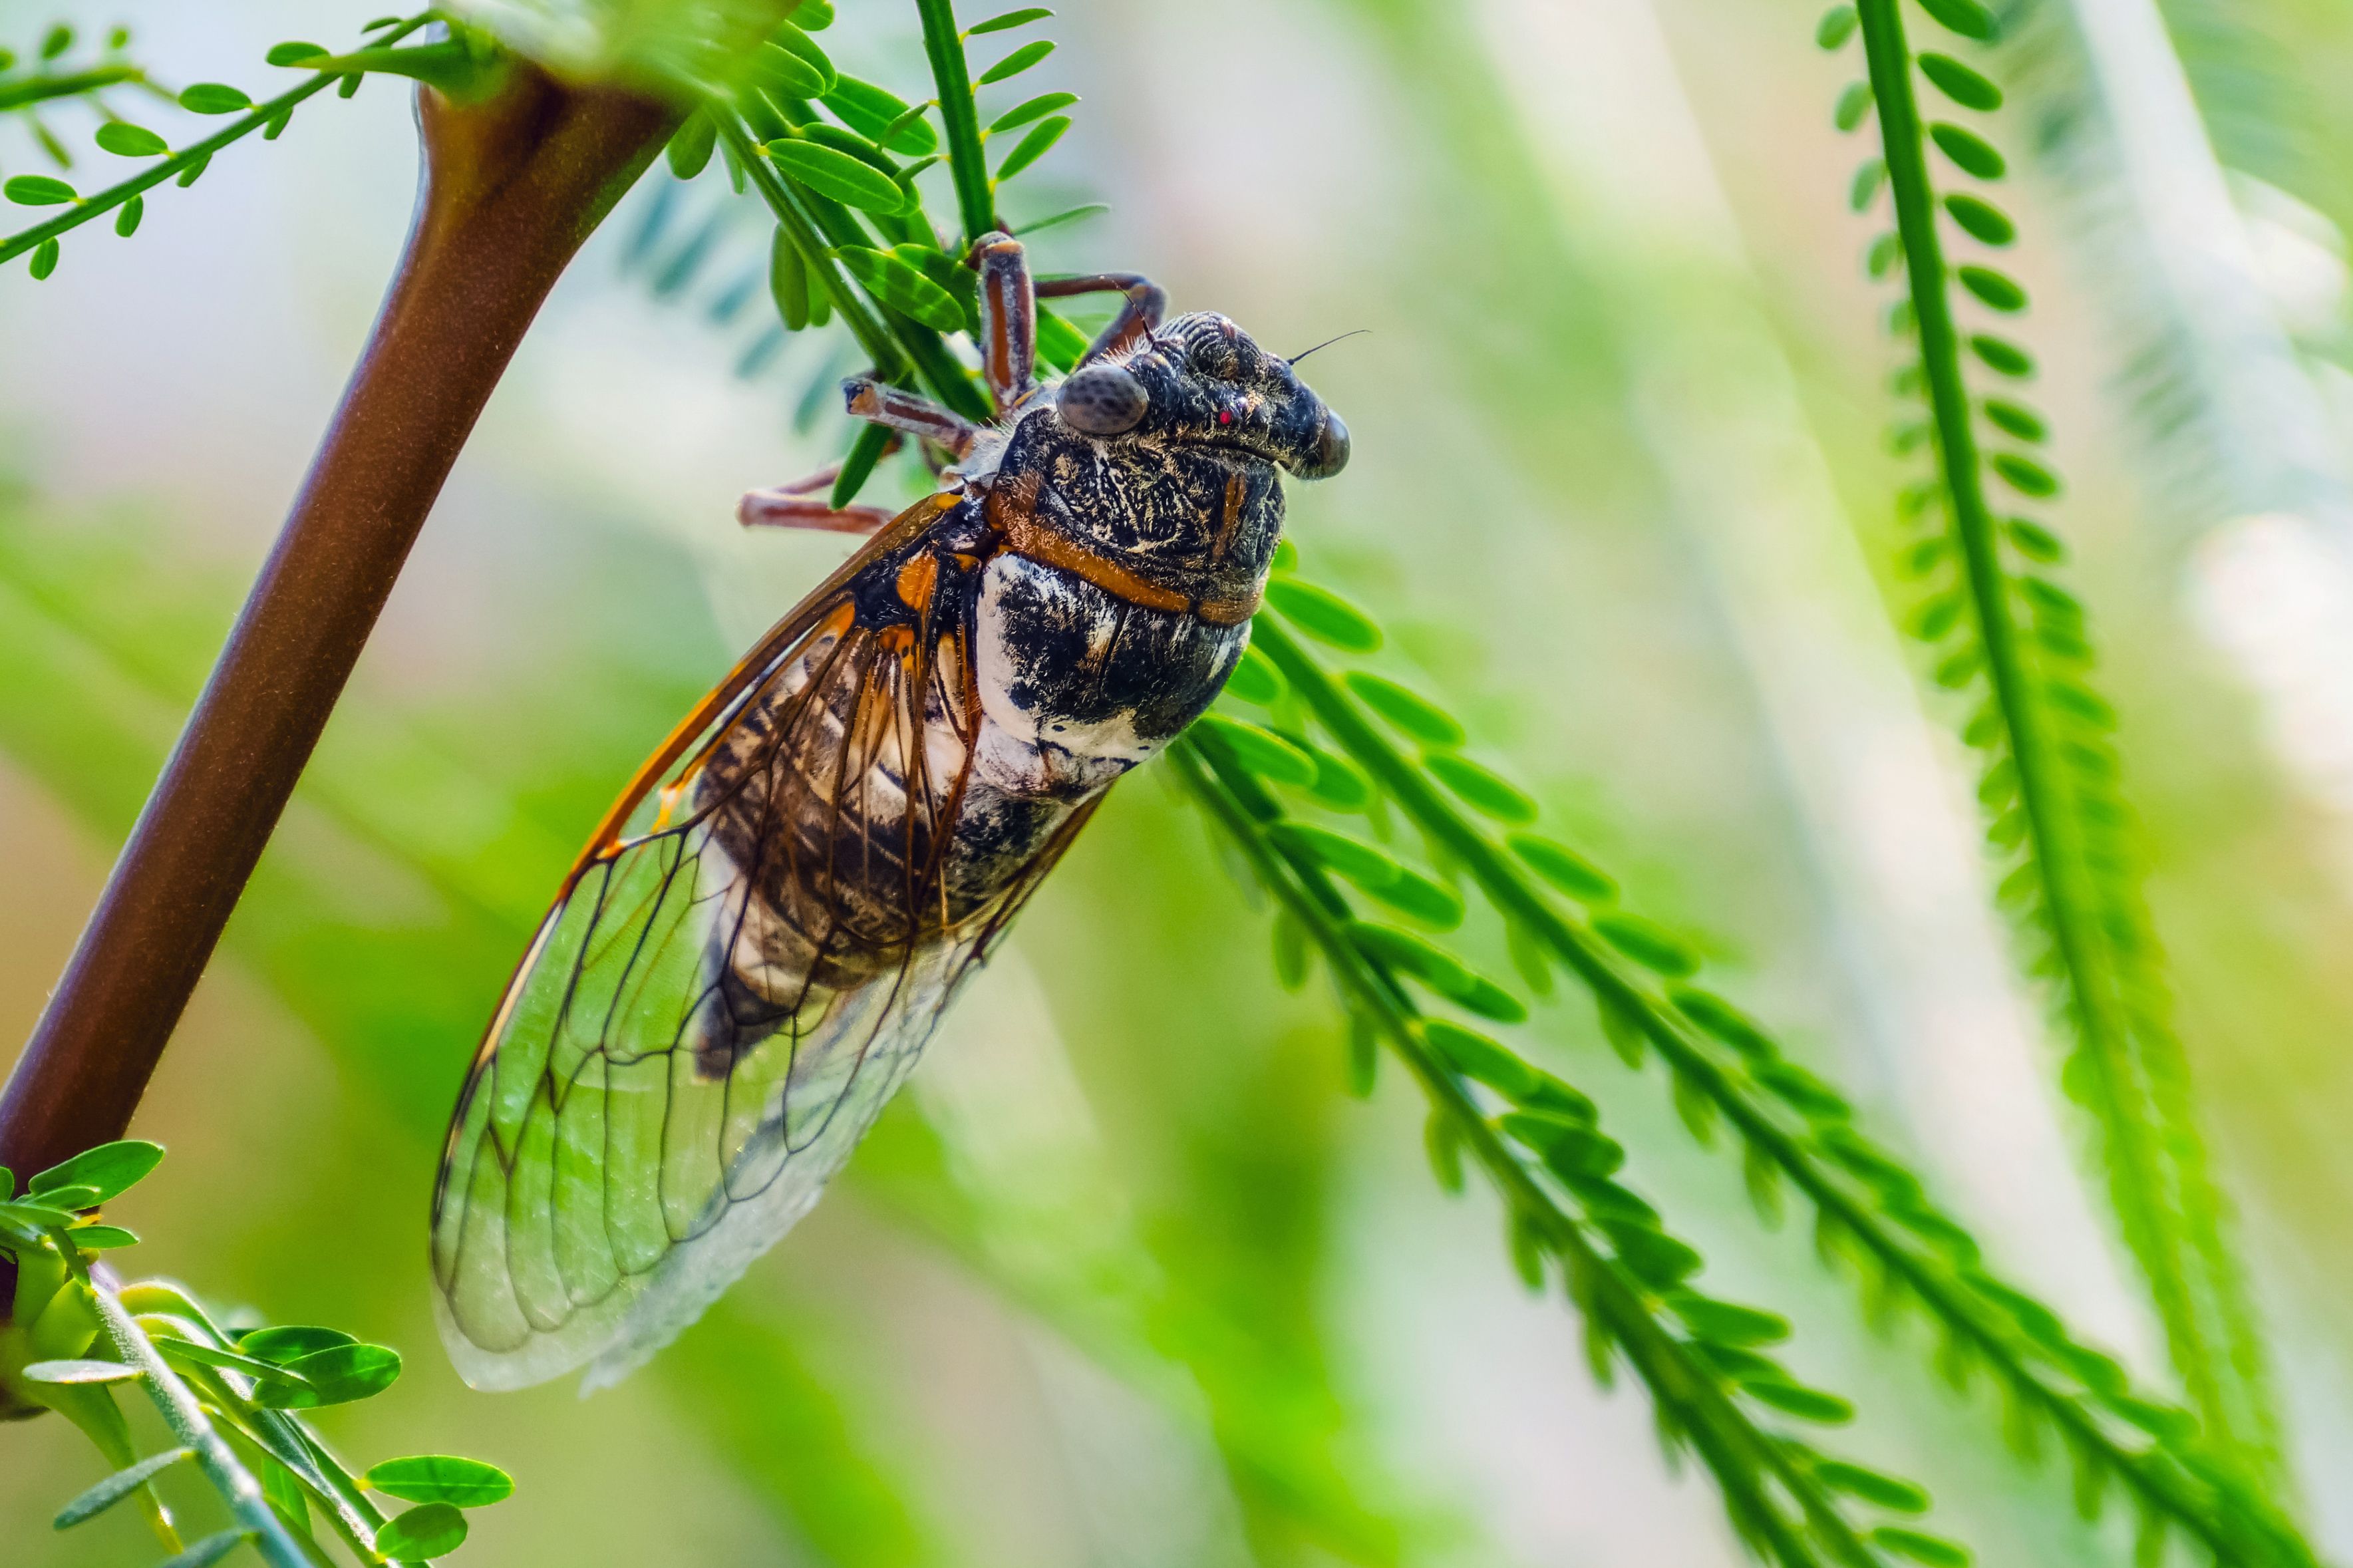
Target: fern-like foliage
1714,1391
1357,742
227,1398
453,62
2011,642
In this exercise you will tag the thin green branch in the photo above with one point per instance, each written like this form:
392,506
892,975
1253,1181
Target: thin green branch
186,1419
959,118
2232,1528
26,90
113,196
1734,1448
2129,1070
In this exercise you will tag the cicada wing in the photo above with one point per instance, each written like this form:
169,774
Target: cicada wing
719,1004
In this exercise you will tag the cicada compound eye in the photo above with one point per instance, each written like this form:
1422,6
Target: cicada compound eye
1103,400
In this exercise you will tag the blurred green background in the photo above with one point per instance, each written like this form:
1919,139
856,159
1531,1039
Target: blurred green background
1128,1279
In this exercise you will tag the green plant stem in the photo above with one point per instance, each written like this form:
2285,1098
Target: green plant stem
1952,1300
2152,1186
959,118
113,196
28,90
185,1418
864,324
1732,1445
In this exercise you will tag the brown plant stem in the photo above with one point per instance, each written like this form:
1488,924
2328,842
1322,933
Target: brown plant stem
512,183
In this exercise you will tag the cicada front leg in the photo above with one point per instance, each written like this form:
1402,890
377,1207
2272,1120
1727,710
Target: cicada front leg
1139,314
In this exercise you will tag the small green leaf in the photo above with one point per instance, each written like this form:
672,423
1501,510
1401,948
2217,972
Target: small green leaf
1409,712
882,116
1722,1021
1570,1149
1322,615
337,1375
1563,868
1727,1322
189,1352
1996,290
1895,1495
1933,1550
1361,863
70,1199
208,1551
125,140
7,1183
902,285
1060,344
1965,17
45,258
1796,1399
811,15
1475,1056
1339,783
1068,214
1647,943
1010,19
776,66
858,466
1443,1140
1970,152
293,54
1982,220
1837,26
38,1216
1852,105
690,145
1254,678
1438,968
116,1487
1484,791
839,175
1801,1091
1014,64
213,97
79,1372
442,1478
1037,108
1033,146
38,191
102,1238
2035,542
1261,751
1884,252
1294,952
58,40
1868,176
2025,475
111,1169
798,42
428,1530
2003,356
1656,1259
2017,419
290,1342
1959,83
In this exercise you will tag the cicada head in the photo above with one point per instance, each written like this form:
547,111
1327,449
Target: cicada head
1202,381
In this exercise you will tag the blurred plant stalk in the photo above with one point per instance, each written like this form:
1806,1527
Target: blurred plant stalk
512,181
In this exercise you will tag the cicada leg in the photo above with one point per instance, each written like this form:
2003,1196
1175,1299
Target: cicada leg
1139,316
781,509
882,403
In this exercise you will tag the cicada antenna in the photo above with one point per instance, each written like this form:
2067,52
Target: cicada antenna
1326,344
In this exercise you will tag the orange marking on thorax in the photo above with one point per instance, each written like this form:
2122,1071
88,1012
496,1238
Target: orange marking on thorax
1012,513
1228,520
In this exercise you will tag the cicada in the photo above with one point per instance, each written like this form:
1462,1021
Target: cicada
749,956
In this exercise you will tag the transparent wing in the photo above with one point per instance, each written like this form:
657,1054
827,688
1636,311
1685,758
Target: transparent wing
744,967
